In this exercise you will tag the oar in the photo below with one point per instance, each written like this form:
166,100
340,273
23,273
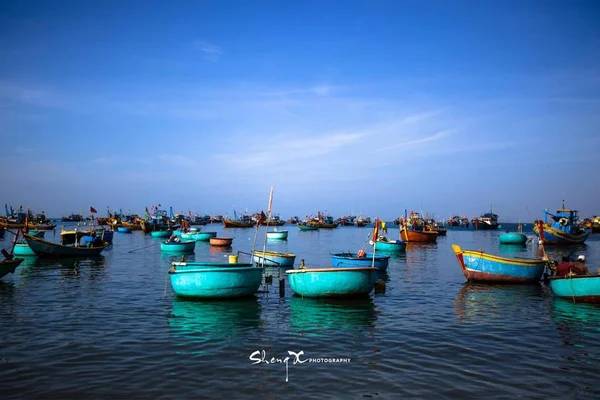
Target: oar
142,248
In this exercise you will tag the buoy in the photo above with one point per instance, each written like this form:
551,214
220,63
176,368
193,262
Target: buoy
361,254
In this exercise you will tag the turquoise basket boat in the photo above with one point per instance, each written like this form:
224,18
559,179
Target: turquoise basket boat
277,235
161,234
345,260
23,249
512,238
478,266
198,236
390,246
178,247
332,282
215,279
578,288
274,259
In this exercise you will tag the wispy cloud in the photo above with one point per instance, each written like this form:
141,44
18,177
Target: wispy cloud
210,51
176,160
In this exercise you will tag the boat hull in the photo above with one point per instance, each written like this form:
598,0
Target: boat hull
308,227
222,242
277,235
408,235
228,223
199,236
512,238
557,236
49,249
178,247
9,266
215,280
346,260
274,259
161,234
396,246
578,288
23,249
478,266
332,282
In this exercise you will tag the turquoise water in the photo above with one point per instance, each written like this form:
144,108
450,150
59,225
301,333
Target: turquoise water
111,327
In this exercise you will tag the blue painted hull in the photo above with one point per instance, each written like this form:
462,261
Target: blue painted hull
200,236
390,247
478,266
178,247
345,260
332,282
277,235
578,288
559,236
215,280
161,234
23,249
512,238
274,259
123,229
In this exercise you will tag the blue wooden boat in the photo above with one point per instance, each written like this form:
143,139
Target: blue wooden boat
215,279
332,282
124,229
198,236
389,246
345,260
43,248
8,266
512,238
178,246
273,259
578,288
23,249
308,227
477,266
277,235
564,227
161,234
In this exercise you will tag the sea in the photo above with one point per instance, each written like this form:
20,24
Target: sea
111,327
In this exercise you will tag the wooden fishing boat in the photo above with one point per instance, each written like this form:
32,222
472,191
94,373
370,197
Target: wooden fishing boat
578,288
332,282
221,241
415,229
68,237
307,227
345,260
8,266
487,221
477,266
134,226
161,234
230,223
215,279
30,225
39,234
277,235
124,229
178,246
273,258
43,248
23,249
563,227
198,236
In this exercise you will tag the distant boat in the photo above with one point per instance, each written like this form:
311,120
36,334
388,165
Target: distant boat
43,248
577,288
273,258
72,218
221,241
477,266
414,228
332,282
198,236
307,227
563,227
487,221
345,260
457,221
277,235
215,279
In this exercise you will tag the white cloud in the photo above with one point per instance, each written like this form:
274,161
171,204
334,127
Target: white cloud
176,160
211,51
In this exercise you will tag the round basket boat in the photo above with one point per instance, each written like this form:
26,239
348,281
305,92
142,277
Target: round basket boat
161,234
223,242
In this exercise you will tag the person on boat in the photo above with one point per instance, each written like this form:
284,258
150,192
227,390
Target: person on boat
567,267
174,239
579,266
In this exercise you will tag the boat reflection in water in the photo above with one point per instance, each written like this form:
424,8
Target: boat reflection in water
485,304
214,320
318,316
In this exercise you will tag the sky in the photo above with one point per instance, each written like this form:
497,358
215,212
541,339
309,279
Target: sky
444,107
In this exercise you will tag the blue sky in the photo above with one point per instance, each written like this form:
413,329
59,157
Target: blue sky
344,106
